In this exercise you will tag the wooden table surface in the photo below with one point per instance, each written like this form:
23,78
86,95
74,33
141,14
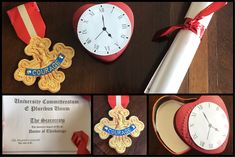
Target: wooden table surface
156,148
211,70
137,107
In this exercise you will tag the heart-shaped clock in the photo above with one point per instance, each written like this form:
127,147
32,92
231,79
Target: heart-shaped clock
104,30
184,124
204,124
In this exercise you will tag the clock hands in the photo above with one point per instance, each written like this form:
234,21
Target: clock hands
210,125
206,118
99,35
108,34
104,28
216,129
103,21
209,131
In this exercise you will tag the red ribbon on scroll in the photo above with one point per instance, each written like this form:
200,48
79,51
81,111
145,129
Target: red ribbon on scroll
194,24
27,21
118,100
80,139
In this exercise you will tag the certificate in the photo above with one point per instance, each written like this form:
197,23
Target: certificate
44,124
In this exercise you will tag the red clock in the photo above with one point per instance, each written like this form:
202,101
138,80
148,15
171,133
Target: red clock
104,30
184,124
204,124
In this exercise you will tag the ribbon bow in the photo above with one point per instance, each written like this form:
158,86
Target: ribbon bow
80,139
194,24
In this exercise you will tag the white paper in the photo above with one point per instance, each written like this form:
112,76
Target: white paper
175,64
21,120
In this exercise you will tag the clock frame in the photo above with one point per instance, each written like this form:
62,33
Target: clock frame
181,122
120,5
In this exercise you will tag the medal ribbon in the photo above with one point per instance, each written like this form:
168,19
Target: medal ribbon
118,100
80,139
27,21
194,24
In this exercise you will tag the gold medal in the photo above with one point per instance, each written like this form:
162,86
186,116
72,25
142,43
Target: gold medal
119,128
45,64
30,28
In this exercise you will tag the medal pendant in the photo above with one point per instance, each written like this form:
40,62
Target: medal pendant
45,64
119,128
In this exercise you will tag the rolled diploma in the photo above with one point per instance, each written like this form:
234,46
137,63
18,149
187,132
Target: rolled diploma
175,64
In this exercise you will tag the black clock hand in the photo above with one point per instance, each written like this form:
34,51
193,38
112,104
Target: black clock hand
206,117
216,129
209,122
99,35
104,28
103,21
208,132
108,34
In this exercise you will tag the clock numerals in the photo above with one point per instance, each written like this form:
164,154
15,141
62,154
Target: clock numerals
202,143
200,107
88,41
101,9
107,48
84,21
104,39
124,36
125,26
209,117
96,47
91,13
121,16
117,45
193,114
83,31
195,136
112,10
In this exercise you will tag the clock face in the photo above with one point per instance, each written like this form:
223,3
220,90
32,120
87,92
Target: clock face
104,29
208,125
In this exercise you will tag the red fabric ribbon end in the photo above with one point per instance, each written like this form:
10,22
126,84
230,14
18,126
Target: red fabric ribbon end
20,26
80,139
124,101
192,24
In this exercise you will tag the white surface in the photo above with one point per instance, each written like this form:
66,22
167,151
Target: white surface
17,124
195,8
26,20
203,115
118,100
104,45
173,68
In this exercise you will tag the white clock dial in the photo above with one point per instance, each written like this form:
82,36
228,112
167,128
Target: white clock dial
104,29
208,125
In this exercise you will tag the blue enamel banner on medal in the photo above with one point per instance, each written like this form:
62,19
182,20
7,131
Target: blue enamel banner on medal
48,69
122,132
